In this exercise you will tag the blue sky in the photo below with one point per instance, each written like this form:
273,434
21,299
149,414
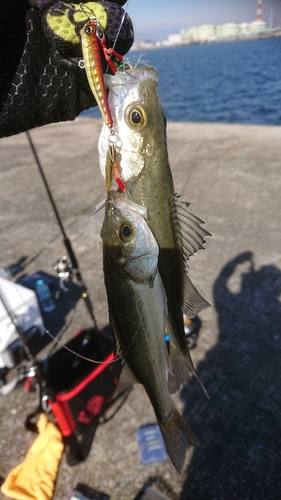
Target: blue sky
155,19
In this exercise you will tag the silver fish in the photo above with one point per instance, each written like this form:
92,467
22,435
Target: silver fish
137,313
140,138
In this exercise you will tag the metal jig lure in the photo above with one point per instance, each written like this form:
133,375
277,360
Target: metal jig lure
93,40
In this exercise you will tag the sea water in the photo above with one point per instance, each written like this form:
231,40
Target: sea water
231,82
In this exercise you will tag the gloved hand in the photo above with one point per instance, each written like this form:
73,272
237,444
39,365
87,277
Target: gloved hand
40,80
35,477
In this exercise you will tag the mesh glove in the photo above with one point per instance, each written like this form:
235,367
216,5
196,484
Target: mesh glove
40,79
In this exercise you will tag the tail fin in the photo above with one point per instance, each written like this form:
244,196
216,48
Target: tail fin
177,436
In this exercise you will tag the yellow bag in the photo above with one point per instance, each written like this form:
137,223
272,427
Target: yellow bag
34,478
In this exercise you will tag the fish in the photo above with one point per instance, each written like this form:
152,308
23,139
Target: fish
139,126
137,314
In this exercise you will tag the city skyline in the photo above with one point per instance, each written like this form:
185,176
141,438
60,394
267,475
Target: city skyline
152,23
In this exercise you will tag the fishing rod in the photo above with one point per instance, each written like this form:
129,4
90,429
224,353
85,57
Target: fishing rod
66,241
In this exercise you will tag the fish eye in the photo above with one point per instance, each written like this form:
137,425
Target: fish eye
137,116
89,29
125,231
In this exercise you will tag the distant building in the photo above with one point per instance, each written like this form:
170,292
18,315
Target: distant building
243,28
257,26
227,30
201,33
174,39
208,33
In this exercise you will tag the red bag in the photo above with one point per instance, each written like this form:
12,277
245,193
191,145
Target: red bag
77,391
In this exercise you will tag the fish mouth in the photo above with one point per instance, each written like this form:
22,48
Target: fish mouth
125,205
126,78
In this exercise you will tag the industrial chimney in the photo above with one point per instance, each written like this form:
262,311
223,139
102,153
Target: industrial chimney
259,11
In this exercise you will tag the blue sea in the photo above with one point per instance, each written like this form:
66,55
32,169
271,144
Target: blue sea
231,82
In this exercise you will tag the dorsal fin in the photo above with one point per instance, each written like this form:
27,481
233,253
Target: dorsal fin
190,231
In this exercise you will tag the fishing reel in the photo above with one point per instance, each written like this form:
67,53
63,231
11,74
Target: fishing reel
191,330
64,271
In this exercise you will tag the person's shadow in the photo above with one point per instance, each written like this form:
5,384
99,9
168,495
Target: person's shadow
239,429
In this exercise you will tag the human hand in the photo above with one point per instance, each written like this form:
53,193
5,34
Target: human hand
40,78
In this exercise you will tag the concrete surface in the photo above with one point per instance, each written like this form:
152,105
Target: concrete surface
231,174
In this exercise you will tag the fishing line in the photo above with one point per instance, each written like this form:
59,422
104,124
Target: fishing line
122,21
80,355
54,338
118,32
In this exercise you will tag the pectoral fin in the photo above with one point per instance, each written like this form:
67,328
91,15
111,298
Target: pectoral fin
126,380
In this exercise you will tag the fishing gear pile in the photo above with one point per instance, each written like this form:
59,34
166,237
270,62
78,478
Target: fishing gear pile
41,80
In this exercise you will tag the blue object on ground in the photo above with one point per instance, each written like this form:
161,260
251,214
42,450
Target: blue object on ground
151,444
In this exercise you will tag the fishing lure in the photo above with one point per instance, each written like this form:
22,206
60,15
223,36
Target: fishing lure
113,166
93,41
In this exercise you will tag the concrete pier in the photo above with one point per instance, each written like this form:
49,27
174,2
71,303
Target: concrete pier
231,176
